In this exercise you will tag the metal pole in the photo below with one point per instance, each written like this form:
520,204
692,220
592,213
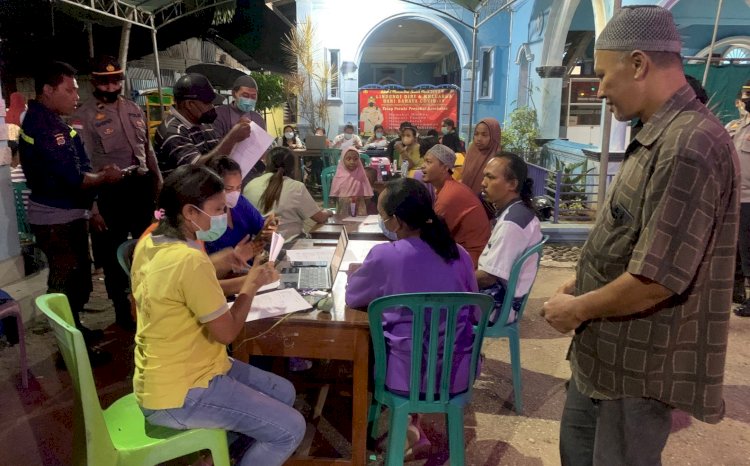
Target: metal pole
606,130
90,31
123,55
473,75
713,41
158,69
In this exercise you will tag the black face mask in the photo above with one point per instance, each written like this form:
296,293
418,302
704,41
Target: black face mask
208,116
107,96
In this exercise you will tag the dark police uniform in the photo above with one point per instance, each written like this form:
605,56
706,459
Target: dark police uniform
115,133
54,162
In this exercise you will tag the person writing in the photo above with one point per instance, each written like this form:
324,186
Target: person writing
289,199
184,378
346,138
377,140
423,259
350,185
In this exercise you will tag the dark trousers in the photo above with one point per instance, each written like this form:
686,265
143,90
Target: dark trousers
742,268
127,209
624,432
66,246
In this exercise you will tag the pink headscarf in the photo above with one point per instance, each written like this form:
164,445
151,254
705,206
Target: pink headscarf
350,183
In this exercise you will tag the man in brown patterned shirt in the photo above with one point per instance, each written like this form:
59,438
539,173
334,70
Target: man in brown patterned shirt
651,299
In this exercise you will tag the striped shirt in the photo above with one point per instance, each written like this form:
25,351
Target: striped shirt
17,176
179,142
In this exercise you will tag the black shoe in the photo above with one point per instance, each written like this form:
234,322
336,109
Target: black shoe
91,336
744,310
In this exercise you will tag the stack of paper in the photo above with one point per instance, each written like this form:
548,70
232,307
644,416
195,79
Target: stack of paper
277,242
277,303
248,151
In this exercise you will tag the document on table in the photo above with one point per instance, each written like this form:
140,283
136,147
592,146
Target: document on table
277,303
248,151
277,242
310,255
270,286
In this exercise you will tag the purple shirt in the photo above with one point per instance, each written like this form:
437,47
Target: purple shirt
411,266
229,115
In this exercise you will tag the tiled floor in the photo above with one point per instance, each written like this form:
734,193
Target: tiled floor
35,424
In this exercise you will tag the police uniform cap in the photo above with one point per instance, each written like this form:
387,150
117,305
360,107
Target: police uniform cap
106,67
193,86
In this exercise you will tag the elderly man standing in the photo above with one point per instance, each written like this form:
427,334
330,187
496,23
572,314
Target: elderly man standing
114,132
651,299
187,136
455,202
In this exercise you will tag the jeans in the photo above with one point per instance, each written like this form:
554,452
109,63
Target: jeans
623,432
246,400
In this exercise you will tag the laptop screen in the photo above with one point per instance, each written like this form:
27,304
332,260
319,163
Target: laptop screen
338,254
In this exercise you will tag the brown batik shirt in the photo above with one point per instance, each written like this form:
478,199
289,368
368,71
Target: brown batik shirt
671,216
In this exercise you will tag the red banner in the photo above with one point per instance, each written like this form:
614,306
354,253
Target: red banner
423,108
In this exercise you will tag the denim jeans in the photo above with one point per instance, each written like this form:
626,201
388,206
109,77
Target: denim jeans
246,400
622,432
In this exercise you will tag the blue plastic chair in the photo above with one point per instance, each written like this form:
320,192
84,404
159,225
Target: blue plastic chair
125,255
330,157
118,435
445,312
502,329
365,159
326,179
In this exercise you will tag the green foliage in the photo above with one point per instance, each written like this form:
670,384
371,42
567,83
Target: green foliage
520,133
573,189
270,91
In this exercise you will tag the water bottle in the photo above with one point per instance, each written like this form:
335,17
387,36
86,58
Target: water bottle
404,169
353,209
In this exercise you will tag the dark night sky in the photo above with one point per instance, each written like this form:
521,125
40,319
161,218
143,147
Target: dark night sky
33,32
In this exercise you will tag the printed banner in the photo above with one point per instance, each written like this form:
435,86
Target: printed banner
423,108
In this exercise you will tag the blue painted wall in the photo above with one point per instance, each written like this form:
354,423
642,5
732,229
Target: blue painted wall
495,33
414,73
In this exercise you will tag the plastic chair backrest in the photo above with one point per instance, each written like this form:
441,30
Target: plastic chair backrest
326,179
510,290
24,229
365,160
98,445
125,255
330,157
446,308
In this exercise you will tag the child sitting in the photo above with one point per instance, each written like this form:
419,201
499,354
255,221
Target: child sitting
350,185
407,149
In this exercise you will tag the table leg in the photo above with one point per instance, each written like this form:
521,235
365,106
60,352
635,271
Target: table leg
359,398
297,166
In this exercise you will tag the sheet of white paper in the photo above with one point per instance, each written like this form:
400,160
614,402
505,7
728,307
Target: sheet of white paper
276,303
371,220
277,242
270,286
248,151
346,144
361,218
310,255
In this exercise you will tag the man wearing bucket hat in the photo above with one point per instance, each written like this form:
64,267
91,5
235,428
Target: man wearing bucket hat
186,135
114,132
650,303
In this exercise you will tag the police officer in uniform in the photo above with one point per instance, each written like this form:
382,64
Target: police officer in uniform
63,186
114,133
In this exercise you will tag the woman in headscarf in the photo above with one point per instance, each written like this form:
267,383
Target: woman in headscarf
486,144
350,184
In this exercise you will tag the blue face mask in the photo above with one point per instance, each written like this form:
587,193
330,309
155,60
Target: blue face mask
388,233
217,229
246,104
378,134
445,130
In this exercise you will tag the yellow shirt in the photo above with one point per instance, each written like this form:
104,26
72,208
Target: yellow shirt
177,292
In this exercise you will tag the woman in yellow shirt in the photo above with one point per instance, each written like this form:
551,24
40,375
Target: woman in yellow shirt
183,376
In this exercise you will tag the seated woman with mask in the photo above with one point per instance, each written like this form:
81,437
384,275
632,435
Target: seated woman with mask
423,259
184,378
289,199
377,140
244,221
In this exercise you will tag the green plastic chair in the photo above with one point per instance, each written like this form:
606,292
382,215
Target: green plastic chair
24,229
326,179
365,159
119,435
330,157
432,401
502,329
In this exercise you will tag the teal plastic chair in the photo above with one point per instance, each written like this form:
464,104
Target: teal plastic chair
24,229
432,401
119,435
365,160
330,157
502,329
125,255
326,179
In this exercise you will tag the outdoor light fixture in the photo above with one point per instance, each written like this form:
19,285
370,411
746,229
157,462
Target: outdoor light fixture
348,68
